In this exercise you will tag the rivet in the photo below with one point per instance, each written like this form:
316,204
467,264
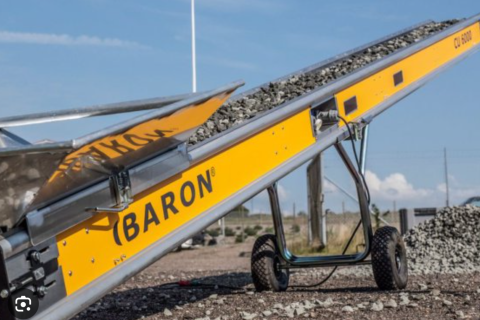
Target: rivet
87,231
93,260
4,294
64,242
70,273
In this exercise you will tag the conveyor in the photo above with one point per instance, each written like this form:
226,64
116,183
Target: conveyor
79,217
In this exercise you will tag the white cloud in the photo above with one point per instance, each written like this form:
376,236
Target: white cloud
62,39
459,194
394,187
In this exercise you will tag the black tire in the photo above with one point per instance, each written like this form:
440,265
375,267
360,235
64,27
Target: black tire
266,274
389,259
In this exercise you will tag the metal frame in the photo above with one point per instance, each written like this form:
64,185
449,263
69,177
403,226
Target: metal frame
292,261
92,111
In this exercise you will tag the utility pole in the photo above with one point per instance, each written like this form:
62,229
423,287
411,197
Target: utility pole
243,223
447,187
394,213
251,211
293,227
317,221
194,53
294,214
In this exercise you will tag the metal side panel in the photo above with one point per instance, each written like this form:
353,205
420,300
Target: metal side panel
22,176
58,217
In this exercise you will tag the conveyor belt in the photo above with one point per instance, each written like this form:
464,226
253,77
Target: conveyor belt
247,105
97,250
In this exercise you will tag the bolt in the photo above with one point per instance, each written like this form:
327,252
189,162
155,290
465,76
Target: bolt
4,294
42,291
70,273
35,256
64,242
87,231
93,260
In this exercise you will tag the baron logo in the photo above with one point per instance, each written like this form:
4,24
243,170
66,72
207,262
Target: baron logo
167,205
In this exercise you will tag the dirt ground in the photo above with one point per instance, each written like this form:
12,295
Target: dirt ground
350,294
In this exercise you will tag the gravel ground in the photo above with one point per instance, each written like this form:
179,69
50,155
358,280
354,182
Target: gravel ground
274,94
350,294
450,243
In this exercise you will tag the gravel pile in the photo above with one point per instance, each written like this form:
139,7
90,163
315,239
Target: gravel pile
274,94
449,243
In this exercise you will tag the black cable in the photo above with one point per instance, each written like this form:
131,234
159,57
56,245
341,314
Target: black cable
196,283
359,222
357,158
336,267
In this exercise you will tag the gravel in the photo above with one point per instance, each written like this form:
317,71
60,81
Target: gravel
144,297
449,243
274,94
392,304
377,306
348,309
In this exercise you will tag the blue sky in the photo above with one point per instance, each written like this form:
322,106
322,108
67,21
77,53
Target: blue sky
59,54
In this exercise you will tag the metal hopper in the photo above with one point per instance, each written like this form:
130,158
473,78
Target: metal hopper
35,175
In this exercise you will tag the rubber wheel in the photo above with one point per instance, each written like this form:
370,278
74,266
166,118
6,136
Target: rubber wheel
389,259
266,272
